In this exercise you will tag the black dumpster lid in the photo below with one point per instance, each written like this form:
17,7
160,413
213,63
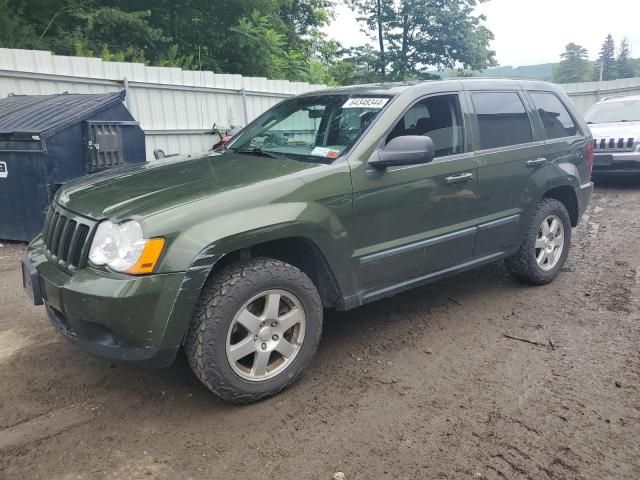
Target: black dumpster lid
46,114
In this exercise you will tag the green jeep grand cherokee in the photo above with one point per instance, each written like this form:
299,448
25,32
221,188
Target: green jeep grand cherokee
331,199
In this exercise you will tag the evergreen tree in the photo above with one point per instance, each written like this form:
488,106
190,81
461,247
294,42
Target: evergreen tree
574,67
624,66
606,68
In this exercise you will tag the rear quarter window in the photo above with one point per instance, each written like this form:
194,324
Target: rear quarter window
555,117
502,119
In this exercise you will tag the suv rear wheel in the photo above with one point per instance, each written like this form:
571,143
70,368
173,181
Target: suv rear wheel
545,246
255,329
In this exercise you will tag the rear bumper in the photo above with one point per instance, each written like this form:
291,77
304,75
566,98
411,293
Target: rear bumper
584,194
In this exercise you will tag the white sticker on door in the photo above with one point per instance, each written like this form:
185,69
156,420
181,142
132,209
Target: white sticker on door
3,170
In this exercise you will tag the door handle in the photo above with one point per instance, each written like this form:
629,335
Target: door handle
537,162
462,178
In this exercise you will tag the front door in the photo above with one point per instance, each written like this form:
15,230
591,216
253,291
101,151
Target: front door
420,218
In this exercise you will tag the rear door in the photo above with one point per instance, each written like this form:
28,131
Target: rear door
565,142
509,149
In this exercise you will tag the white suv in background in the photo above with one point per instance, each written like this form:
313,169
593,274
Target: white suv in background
615,124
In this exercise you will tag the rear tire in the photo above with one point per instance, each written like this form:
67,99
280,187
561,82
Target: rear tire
247,315
545,245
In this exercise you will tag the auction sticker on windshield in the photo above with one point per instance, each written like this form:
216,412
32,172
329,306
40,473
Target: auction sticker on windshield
325,152
365,102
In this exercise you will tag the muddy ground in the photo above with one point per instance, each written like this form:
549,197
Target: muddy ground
423,385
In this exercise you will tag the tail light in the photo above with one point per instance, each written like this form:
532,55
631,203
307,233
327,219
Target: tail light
590,156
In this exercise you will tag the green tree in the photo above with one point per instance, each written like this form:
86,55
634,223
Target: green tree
441,34
414,36
198,34
606,67
574,67
79,27
15,31
357,65
107,29
262,50
624,66
376,17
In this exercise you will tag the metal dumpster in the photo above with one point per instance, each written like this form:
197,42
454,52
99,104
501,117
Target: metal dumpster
47,140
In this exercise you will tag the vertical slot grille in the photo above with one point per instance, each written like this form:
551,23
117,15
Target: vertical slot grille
77,258
65,237
66,243
619,144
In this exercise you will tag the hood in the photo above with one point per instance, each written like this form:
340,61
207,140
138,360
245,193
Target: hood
616,130
144,189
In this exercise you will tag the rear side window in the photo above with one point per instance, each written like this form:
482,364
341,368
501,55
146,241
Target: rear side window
502,118
556,119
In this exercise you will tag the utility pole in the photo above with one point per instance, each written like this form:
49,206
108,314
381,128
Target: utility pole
601,68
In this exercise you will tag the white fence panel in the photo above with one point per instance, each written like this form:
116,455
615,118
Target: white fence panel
585,94
176,108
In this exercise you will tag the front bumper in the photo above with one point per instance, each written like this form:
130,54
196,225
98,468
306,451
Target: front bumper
623,163
114,316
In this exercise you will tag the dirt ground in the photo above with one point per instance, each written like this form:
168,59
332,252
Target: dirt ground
424,385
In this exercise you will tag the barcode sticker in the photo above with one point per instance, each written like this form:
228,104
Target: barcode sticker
365,102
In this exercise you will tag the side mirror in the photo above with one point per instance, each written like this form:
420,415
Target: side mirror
406,150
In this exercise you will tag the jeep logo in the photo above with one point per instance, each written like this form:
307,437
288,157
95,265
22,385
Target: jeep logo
3,170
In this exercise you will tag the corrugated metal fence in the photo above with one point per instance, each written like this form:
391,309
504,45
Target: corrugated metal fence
586,94
175,107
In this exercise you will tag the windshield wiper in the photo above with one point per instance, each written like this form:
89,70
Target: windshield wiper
257,151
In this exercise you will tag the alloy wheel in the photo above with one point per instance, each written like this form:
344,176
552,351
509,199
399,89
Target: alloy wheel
266,335
550,242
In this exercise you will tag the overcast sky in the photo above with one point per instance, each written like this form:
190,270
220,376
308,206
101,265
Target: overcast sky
529,32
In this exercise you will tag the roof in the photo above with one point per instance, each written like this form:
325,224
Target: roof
46,114
387,88
395,88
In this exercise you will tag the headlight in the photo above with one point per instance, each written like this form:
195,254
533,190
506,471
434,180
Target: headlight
121,247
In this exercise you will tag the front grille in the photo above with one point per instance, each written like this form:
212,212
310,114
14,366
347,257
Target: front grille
621,144
67,238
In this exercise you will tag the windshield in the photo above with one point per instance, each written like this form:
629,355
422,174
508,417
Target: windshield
316,128
610,112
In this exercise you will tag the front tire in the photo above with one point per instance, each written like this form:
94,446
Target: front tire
255,329
545,246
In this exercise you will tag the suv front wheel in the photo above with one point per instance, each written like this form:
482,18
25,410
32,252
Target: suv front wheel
545,246
255,329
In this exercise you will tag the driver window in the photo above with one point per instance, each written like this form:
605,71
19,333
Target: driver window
438,117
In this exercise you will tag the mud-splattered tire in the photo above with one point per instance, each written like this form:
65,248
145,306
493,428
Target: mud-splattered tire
237,296
529,264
